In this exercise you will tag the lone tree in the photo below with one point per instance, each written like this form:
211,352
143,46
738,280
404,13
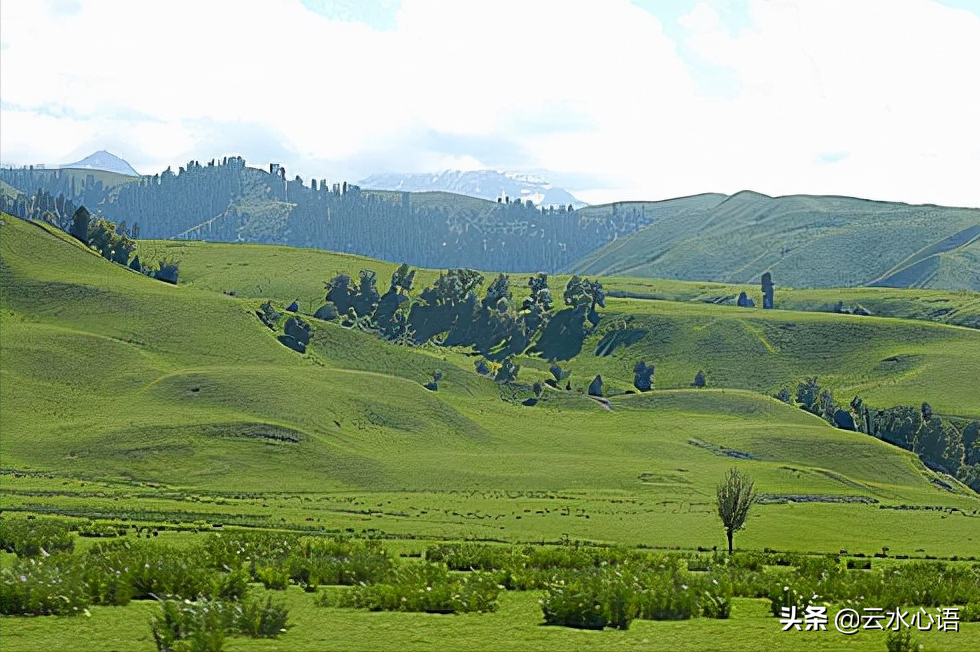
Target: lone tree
735,496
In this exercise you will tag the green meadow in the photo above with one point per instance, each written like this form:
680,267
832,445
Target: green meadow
130,401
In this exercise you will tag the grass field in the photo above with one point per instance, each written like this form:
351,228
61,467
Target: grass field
805,241
127,398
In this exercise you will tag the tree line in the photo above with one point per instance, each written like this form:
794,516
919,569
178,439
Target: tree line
224,200
951,446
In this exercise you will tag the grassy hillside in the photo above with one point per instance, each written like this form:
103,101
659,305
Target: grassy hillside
804,241
118,380
292,273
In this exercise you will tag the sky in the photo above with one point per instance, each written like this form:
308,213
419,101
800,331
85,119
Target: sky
613,100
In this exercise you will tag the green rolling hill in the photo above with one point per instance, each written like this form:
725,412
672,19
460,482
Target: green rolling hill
108,376
806,242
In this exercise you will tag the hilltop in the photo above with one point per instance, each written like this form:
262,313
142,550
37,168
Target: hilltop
484,184
104,161
806,242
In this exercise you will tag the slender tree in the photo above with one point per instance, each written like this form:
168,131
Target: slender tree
735,496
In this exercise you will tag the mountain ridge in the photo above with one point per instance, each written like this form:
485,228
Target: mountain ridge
105,161
484,184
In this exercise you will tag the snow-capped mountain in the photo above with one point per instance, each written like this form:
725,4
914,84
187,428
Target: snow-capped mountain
485,184
103,160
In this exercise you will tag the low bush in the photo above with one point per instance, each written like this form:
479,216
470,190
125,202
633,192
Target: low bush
323,561
156,570
186,626
260,620
33,537
427,587
272,577
787,597
39,587
202,625
901,641
591,599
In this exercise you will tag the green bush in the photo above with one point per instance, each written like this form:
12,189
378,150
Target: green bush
29,537
38,587
258,620
426,587
591,599
228,550
186,626
901,641
156,570
272,577
201,625
322,561
787,596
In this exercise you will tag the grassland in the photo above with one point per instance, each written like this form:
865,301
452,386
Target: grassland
805,242
127,398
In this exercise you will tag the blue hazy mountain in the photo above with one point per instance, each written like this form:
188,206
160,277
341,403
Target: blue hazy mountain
103,160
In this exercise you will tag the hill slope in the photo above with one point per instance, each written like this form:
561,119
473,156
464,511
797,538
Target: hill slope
805,242
107,374
225,200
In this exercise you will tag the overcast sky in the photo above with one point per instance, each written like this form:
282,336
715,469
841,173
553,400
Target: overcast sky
616,100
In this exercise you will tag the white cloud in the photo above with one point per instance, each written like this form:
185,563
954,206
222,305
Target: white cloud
846,97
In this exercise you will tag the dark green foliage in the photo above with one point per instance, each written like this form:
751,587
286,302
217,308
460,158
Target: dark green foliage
595,387
366,299
114,244
826,406
167,271
699,379
808,395
938,442
297,334
767,291
327,312
268,315
618,337
508,371
784,396
79,224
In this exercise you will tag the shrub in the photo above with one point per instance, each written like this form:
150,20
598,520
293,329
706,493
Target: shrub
425,587
272,577
318,561
259,620
38,587
901,641
201,625
786,597
29,537
591,599
190,626
156,571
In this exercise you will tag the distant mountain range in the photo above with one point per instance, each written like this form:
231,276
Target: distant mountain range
484,184
804,241
103,160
